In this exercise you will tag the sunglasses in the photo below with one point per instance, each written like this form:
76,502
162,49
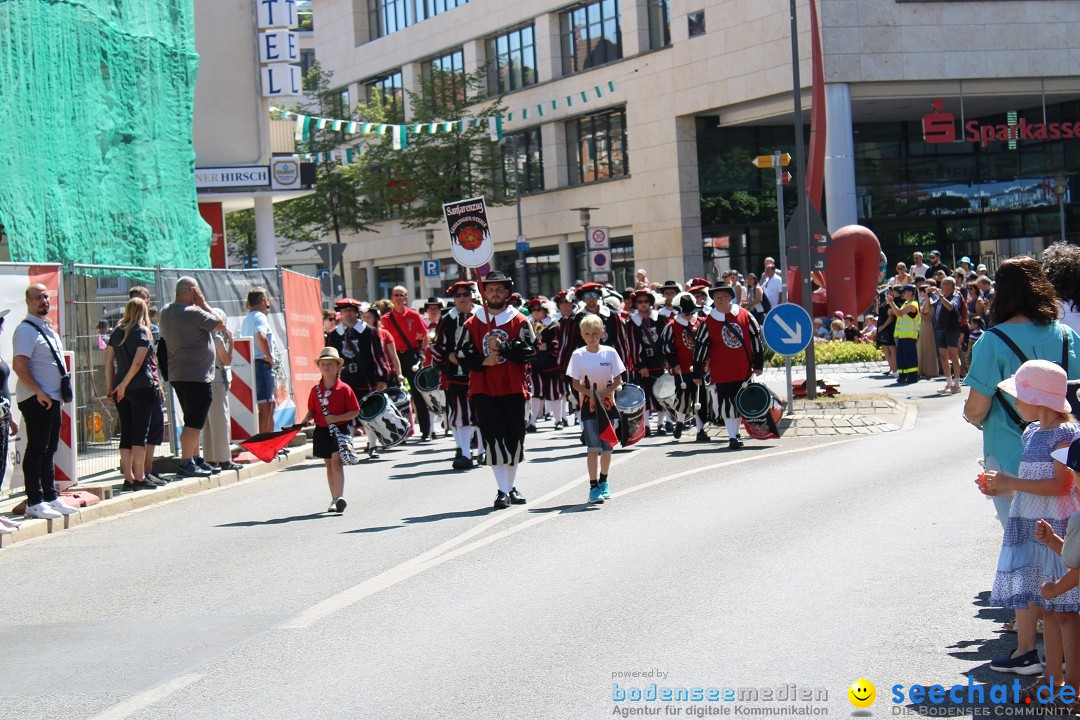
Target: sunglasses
462,295
591,295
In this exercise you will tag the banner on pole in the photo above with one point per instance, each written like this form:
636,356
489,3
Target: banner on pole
470,237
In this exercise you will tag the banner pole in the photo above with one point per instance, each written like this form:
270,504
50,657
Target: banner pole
483,300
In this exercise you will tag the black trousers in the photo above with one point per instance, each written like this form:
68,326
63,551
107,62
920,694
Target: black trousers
42,429
423,417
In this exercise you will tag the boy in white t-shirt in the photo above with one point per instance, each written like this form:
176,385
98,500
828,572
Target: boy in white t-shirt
595,370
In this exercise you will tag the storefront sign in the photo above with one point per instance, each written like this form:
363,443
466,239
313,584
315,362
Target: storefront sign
278,46
281,80
277,13
206,178
940,127
285,174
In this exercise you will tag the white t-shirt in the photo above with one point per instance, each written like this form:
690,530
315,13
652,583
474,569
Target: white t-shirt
918,270
598,369
772,287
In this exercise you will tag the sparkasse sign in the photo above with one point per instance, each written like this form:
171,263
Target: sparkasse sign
940,127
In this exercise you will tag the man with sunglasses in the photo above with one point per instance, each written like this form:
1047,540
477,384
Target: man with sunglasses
447,356
648,357
498,344
615,333
409,331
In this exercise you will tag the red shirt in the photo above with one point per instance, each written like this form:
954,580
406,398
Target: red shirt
506,378
341,400
388,345
412,325
730,356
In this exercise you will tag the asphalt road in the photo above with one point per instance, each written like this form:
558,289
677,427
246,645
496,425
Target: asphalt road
812,562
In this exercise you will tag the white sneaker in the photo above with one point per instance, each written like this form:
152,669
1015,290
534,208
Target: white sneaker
62,507
13,524
42,511
5,530
332,508
339,505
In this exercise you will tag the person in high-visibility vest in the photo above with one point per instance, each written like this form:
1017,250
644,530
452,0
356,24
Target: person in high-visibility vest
906,312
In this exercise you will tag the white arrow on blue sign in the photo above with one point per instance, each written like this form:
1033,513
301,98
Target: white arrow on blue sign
788,329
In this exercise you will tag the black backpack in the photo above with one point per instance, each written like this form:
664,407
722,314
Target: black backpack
1070,392
162,354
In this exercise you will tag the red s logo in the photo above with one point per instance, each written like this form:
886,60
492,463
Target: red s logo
939,127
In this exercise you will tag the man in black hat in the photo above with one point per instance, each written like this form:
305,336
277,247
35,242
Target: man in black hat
671,290
498,344
678,340
446,354
729,347
364,363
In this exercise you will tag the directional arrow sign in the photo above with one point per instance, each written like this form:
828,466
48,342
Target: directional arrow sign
788,329
767,161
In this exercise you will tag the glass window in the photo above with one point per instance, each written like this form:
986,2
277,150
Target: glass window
430,8
389,16
659,24
529,163
307,59
445,76
696,23
344,106
597,147
511,61
590,36
390,88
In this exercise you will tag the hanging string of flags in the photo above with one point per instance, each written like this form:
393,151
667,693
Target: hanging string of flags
400,132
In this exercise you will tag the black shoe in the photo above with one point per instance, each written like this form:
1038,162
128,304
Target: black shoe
461,462
530,429
230,466
140,485
702,436
677,432
373,453
661,431
157,479
199,462
669,427
424,437
559,424
502,501
735,443
516,497
481,459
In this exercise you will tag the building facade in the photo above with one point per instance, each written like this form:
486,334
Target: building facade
700,89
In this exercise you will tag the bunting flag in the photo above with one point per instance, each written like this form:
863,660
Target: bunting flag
399,134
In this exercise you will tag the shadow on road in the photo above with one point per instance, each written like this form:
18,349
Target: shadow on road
429,473
372,529
279,521
720,448
479,512
565,509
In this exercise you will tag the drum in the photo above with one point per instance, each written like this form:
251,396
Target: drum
401,401
753,400
382,420
630,404
428,383
664,390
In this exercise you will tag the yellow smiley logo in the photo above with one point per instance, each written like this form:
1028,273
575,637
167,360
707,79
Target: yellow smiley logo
862,693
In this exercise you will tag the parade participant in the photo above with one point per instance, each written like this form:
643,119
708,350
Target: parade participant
372,316
364,367
544,370
498,346
671,290
596,371
701,296
678,343
410,339
446,354
564,301
647,355
433,312
615,334
906,335
729,344
331,402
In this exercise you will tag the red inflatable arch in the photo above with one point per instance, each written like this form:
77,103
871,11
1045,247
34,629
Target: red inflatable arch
851,281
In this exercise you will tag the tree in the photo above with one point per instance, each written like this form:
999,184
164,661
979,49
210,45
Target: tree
335,206
240,233
434,168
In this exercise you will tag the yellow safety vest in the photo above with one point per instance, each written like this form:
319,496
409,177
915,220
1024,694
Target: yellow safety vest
907,327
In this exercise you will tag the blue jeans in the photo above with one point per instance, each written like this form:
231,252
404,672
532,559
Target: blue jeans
590,426
264,382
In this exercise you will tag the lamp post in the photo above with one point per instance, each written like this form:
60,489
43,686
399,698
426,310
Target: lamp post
429,238
1061,188
585,218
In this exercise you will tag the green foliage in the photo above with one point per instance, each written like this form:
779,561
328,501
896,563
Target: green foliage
834,353
240,234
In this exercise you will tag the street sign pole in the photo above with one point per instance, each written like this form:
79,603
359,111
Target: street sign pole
804,204
779,170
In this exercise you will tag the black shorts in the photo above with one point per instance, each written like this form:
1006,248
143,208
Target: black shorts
323,444
195,398
138,411
946,339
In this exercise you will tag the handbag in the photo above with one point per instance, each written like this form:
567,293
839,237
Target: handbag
345,448
65,380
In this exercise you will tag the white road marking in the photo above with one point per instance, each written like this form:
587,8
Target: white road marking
145,699
450,550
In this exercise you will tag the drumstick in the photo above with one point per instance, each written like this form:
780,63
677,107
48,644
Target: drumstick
697,400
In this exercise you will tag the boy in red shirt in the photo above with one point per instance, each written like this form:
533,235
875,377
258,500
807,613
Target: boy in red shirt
331,402
497,350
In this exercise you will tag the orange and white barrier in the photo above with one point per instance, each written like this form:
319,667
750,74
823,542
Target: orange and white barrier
244,416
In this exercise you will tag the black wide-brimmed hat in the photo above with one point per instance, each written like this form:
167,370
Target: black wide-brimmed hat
497,276
722,287
671,285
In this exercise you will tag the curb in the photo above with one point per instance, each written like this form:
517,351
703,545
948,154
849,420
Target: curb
127,502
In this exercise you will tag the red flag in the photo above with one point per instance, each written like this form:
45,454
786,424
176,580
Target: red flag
607,430
265,446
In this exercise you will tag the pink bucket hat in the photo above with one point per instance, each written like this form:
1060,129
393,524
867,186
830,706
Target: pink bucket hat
1039,382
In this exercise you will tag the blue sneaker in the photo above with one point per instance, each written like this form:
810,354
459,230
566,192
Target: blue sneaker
596,495
605,491
1026,664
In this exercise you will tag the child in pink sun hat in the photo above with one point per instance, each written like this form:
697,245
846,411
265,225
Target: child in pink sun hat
1044,491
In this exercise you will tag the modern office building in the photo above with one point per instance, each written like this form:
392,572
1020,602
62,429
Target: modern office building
951,125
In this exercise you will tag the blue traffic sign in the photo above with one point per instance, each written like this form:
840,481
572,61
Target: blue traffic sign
432,268
788,329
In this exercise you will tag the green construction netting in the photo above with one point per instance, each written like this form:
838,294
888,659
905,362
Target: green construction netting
96,154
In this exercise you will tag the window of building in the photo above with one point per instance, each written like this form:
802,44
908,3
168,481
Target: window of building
390,88
389,16
511,61
597,147
344,104
305,16
307,59
445,77
529,162
590,35
430,8
696,23
659,23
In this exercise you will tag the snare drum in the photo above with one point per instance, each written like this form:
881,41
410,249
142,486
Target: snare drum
630,404
428,383
664,390
753,400
401,401
382,420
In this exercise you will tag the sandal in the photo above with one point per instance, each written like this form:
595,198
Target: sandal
1010,626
